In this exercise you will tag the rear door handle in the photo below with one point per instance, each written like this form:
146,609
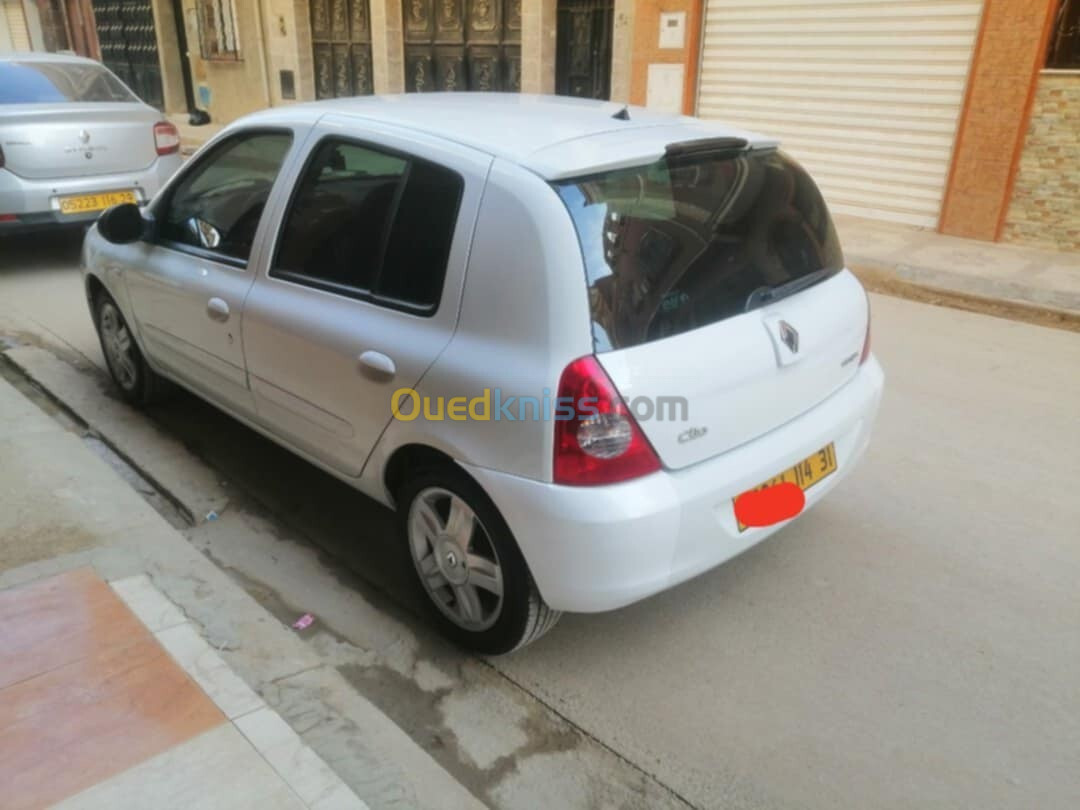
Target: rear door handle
378,362
217,309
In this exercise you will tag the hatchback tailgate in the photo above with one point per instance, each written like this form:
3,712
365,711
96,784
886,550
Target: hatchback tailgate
703,392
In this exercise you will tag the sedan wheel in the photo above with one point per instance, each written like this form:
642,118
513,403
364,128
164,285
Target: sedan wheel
455,559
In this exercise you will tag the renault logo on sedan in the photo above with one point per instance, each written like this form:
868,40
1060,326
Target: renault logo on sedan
789,337
84,136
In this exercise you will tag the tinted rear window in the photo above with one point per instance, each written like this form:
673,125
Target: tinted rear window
683,243
56,82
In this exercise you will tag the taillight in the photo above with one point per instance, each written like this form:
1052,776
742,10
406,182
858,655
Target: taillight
166,138
866,340
602,443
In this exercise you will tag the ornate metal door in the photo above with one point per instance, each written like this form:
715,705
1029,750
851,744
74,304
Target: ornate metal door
128,43
583,48
462,45
341,39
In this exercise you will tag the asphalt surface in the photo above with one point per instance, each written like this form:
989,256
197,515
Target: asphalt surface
912,641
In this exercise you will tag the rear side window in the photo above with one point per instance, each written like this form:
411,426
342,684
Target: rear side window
371,224
689,241
58,82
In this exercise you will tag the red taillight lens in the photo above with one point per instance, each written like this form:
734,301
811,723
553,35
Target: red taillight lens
602,443
866,340
166,138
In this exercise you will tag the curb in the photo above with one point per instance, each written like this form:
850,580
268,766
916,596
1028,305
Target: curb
886,280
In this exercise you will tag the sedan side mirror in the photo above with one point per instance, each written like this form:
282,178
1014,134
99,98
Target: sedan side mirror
122,224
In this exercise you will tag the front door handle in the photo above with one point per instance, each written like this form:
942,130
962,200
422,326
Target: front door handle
378,362
217,309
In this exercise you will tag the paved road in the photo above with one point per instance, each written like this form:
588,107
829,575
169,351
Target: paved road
913,641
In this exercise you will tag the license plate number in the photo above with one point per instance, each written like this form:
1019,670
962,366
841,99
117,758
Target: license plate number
82,203
805,474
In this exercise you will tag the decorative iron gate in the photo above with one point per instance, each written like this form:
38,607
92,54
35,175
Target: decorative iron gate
341,38
462,45
129,49
583,48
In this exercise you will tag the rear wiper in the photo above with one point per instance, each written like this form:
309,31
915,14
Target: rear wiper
767,295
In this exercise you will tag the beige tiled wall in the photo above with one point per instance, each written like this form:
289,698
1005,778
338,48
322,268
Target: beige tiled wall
1044,208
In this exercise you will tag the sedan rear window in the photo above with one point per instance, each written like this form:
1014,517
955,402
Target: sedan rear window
692,239
58,82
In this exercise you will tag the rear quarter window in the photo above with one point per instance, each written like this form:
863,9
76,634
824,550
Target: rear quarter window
685,242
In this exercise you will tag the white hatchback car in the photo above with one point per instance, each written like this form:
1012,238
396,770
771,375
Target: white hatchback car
561,337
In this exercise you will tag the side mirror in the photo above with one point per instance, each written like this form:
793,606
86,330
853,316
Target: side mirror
122,224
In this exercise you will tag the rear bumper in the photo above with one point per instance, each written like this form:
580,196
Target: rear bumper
599,548
36,203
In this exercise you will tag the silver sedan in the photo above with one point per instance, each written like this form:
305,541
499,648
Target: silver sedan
75,140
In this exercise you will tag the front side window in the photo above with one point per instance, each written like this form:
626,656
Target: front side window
59,82
688,241
371,224
218,203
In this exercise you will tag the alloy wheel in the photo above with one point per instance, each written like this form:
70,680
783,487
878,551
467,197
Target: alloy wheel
455,559
119,347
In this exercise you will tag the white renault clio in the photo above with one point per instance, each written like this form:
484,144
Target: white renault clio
560,337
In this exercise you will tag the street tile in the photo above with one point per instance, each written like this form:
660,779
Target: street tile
74,726
56,621
302,768
225,688
148,603
218,770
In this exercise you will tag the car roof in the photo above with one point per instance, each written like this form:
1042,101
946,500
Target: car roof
554,136
40,56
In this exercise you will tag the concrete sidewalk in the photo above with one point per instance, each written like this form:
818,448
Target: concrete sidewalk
992,277
70,522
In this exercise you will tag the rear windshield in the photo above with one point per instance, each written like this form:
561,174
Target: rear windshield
688,241
57,82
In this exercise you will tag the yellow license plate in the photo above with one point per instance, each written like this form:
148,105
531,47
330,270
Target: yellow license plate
95,202
805,474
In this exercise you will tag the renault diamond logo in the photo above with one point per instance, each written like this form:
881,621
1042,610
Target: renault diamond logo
789,337
84,136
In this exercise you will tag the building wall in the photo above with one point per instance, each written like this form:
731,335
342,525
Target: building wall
1008,55
647,50
1045,206
228,89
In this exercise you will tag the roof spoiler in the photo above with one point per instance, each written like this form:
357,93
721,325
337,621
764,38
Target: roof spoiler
705,146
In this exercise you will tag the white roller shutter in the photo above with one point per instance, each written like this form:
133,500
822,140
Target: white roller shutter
18,35
865,93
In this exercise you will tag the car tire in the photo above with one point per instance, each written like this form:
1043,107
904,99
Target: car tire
137,383
462,553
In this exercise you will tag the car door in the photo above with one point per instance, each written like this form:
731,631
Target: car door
361,293
187,288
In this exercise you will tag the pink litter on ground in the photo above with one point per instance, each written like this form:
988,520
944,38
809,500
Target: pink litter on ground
304,621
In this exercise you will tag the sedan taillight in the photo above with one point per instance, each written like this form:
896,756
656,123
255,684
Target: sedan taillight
166,138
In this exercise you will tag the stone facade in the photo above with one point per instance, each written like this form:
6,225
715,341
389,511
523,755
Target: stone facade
1045,208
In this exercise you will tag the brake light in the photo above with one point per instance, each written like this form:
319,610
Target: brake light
602,443
166,138
866,340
